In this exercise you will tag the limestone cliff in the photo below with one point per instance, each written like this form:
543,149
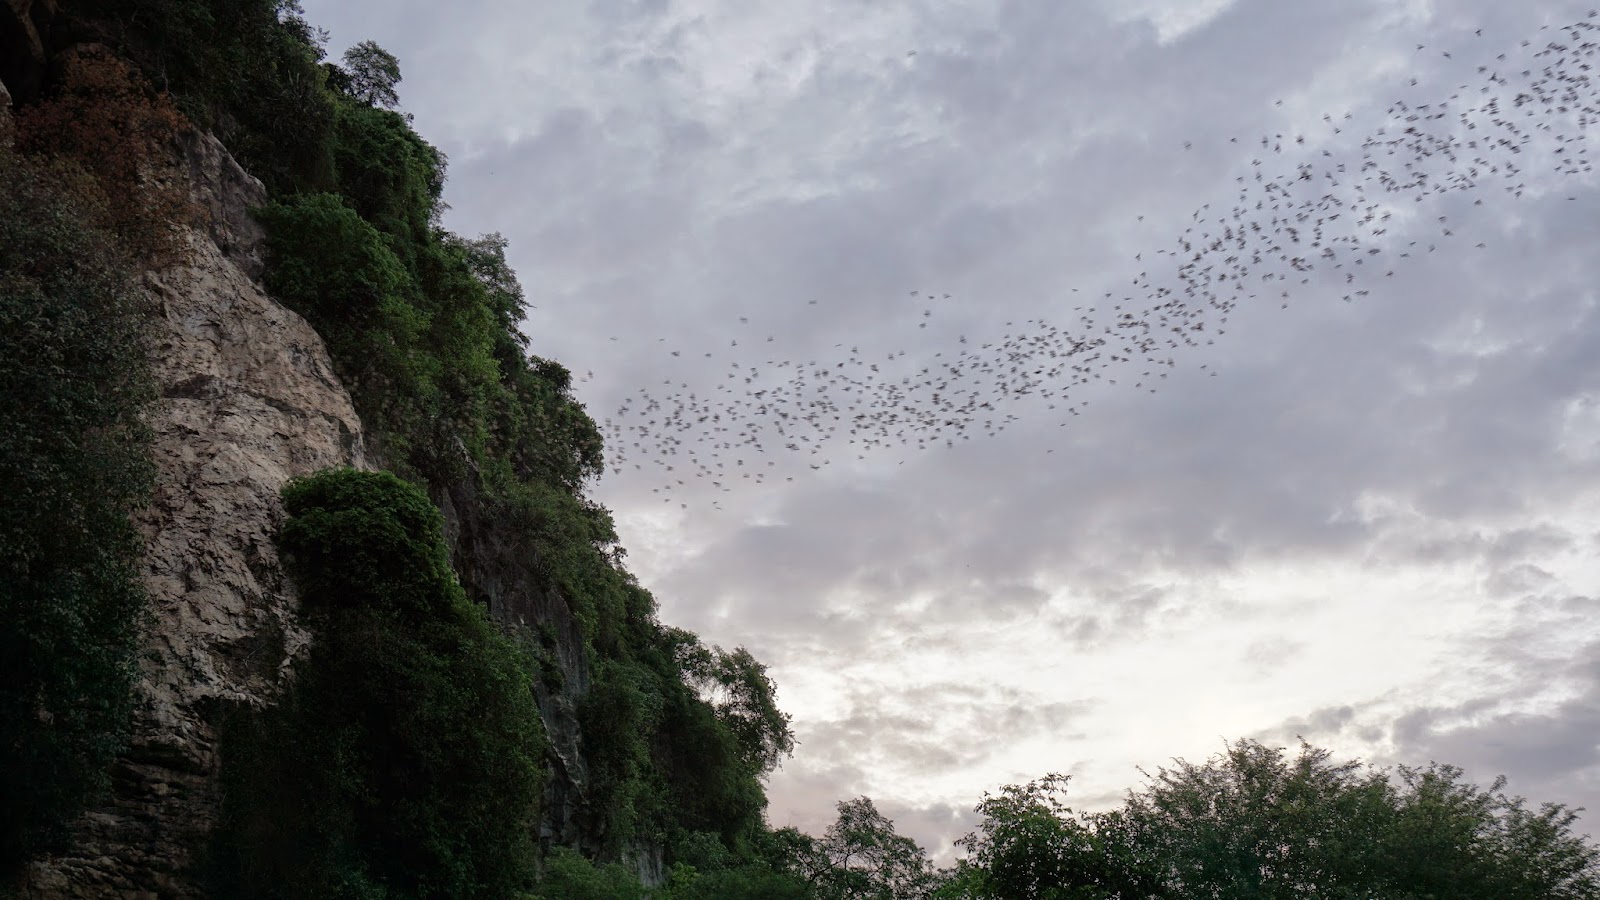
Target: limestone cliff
248,400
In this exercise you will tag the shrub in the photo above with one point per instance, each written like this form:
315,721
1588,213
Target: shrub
405,761
369,541
326,263
389,174
568,876
74,464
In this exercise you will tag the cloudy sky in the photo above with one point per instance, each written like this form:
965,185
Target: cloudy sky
1372,522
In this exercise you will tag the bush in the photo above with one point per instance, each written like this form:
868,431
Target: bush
568,876
389,174
369,541
74,464
326,263
405,761
747,882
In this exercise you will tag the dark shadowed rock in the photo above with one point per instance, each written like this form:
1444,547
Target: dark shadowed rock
226,193
25,27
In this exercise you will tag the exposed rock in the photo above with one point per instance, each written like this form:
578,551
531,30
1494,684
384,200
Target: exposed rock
647,860
226,194
496,568
6,136
249,400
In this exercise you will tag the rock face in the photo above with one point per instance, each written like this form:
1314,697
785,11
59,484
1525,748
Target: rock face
495,567
225,201
6,136
248,400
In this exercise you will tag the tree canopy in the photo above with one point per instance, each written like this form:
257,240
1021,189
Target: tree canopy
1252,823
373,73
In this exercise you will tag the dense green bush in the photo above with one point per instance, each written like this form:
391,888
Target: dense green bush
388,173
74,464
406,760
331,266
568,876
753,881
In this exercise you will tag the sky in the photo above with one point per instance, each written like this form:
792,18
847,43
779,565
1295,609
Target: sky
1354,498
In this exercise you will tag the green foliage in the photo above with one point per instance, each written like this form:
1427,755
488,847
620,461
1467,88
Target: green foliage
621,709
1250,824
1031,845
486,260
745,700
405,760
367,540
372,73
861,857
331,266
568,876
387,173
754,881
544,437
248,69
714,787
1450,838
74,464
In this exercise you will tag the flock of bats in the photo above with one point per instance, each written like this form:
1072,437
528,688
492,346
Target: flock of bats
1322,217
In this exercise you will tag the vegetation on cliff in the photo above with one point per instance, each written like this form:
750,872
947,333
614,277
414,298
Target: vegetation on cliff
406,759
79,213
409,758
423,327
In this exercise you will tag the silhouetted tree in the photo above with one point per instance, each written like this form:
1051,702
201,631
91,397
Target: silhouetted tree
373,72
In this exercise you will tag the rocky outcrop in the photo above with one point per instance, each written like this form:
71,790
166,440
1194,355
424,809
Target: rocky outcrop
248,400
6,135
495,566
225,203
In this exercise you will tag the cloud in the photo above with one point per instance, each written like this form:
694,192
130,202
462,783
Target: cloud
1363,522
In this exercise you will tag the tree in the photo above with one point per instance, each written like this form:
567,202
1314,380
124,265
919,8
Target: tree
736,686
1453,839
372,73
486,259
1253,824
1030,844
861,857
1250,823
